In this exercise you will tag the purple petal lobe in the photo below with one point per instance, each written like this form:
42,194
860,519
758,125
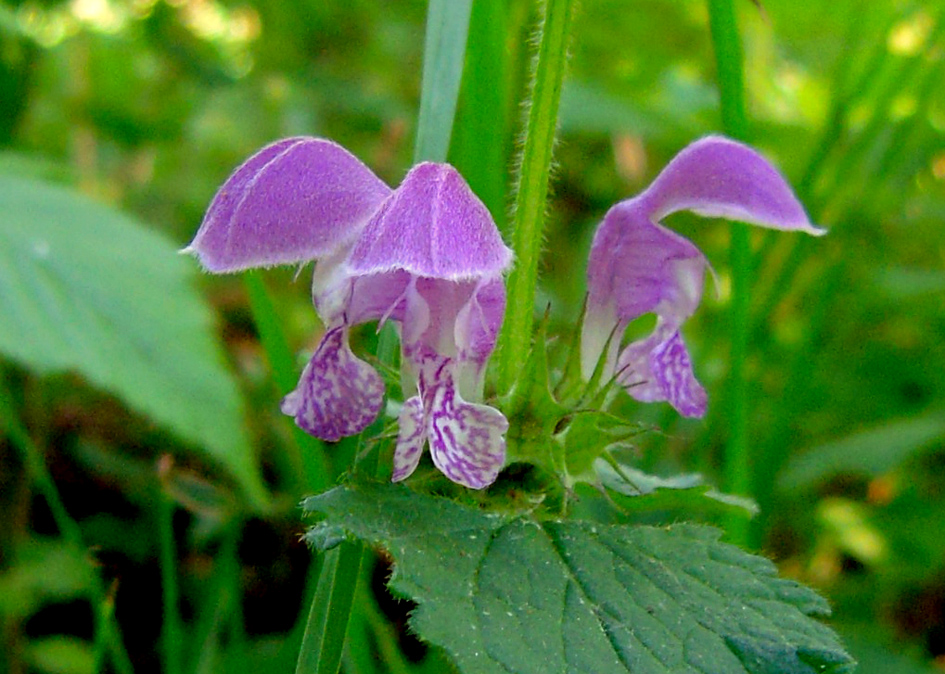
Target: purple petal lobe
434,226
378,297
338,394
479,320
466,439
636,267
293,201
642,265
475,333
410,439
717,177
659,368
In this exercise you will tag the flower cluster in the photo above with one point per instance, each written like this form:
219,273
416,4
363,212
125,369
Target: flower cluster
427,256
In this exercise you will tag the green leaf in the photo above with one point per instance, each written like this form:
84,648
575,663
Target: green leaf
44,572
84,288
61,655
508,594
869,452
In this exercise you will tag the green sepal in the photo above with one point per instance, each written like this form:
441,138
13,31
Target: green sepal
566,436
572,390
635,491
588,434
533,412
571,386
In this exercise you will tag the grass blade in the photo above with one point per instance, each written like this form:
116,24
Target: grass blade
481,136
444,54
107,632
172,629
728,57
324,640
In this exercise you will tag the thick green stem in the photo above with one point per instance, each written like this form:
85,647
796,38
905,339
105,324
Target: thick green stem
728,56
532,186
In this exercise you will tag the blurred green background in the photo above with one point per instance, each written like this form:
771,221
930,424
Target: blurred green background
147,105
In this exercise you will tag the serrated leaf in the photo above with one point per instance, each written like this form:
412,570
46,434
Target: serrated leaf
509,594
86,289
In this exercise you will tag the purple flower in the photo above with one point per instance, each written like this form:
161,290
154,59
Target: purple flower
637,266
426,256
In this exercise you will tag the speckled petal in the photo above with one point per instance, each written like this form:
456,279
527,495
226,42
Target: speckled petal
432,226
659,368
466,439
338,394
410,439
718,177
293,201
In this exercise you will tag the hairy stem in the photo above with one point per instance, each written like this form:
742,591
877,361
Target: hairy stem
532,186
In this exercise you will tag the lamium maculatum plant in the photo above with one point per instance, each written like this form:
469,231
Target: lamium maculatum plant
519,584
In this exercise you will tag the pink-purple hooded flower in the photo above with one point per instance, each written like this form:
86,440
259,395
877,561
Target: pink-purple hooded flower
426,256
638,267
